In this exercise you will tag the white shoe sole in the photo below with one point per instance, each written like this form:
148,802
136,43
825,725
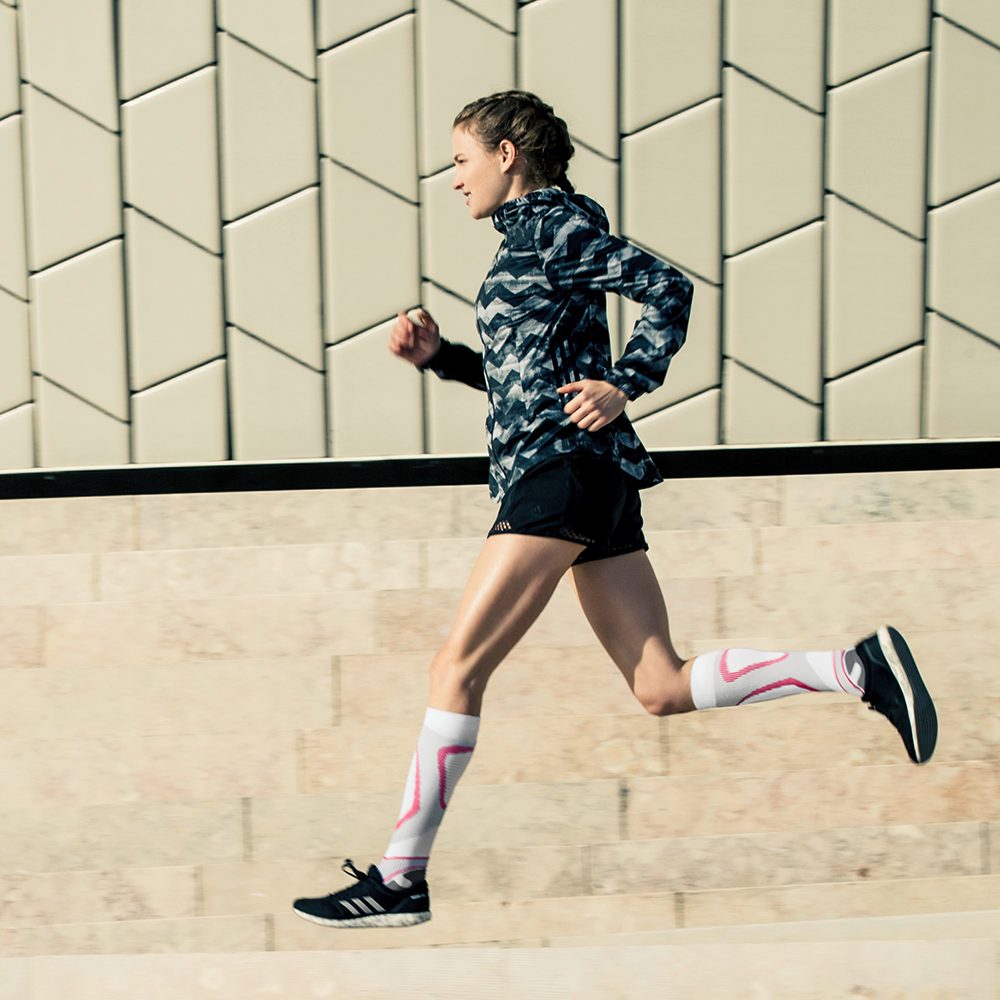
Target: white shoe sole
373,920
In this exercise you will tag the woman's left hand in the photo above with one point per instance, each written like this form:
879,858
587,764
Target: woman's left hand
595,404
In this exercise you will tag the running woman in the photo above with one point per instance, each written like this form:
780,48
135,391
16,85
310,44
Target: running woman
567,467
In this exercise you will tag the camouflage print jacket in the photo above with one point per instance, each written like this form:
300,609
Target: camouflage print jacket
542,319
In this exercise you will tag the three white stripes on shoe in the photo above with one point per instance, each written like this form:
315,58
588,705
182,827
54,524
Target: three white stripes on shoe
359,908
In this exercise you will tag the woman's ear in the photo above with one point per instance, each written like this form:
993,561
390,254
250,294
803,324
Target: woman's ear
508,154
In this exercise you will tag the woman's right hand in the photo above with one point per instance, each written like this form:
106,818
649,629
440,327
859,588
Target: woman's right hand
416,342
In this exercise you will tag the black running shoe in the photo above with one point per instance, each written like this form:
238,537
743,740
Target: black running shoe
894,688
368,903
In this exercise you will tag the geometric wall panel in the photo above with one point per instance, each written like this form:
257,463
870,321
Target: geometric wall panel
449,77
68,51
174,302
160,42
963,372
500,12
10,82
964,248
338,21
182,419
874,288
15,352
370,253
773,315
13,258
880,402
276,403
17,438
72,188
863,36
965,141
268,129
284,31
693,423
980,16
582,88
679,221
273,276
74,433
670,58
757,411
774,163
876,142
78,327
597,177
387,153
171,160
779,42
376,400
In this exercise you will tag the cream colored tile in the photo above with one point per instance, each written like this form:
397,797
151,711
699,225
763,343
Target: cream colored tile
771,186
965,145
56,837
697,365
78,327
174,302
71,432
337,21
373,416
15,982
456,413
183,419
68,51
10,82
260,570
779,43
17,438
500,12
171,161
15,377
759,411
365,280
979,16
713,503
691,423
456,252
388,154
284,32
880,401
792,903
174,768
145,936
449,78
679,221
161,42
963,243
71,181
55,579
268,127
596,176
874,289
276,407
273,276
670,58
705,552
274,696
20,637
109,635
77,897
773,315
961,382
583,90
864,36
50,525
13,236
876,142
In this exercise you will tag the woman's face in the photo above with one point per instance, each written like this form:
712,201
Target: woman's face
484,177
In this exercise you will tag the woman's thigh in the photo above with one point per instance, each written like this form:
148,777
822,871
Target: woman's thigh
511,582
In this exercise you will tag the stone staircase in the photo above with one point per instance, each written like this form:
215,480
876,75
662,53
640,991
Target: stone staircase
207,701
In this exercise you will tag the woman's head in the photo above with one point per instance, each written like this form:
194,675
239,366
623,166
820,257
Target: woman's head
506,144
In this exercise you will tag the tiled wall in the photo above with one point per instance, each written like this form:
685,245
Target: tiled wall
211,211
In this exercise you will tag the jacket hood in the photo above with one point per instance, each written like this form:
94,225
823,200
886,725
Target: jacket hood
522,211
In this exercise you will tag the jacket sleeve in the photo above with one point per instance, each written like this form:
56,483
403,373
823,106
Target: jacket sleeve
458,362
577,254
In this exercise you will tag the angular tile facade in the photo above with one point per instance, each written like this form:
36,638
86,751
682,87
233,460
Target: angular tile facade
258,189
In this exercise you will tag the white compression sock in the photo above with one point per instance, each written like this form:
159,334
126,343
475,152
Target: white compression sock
738,676
443,751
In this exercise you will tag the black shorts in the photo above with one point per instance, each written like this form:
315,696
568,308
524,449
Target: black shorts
578,497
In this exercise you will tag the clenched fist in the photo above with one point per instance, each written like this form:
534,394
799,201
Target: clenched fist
415,337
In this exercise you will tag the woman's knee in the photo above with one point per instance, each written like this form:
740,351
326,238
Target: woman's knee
453,672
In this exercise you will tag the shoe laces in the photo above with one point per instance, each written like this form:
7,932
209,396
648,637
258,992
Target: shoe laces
349,868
